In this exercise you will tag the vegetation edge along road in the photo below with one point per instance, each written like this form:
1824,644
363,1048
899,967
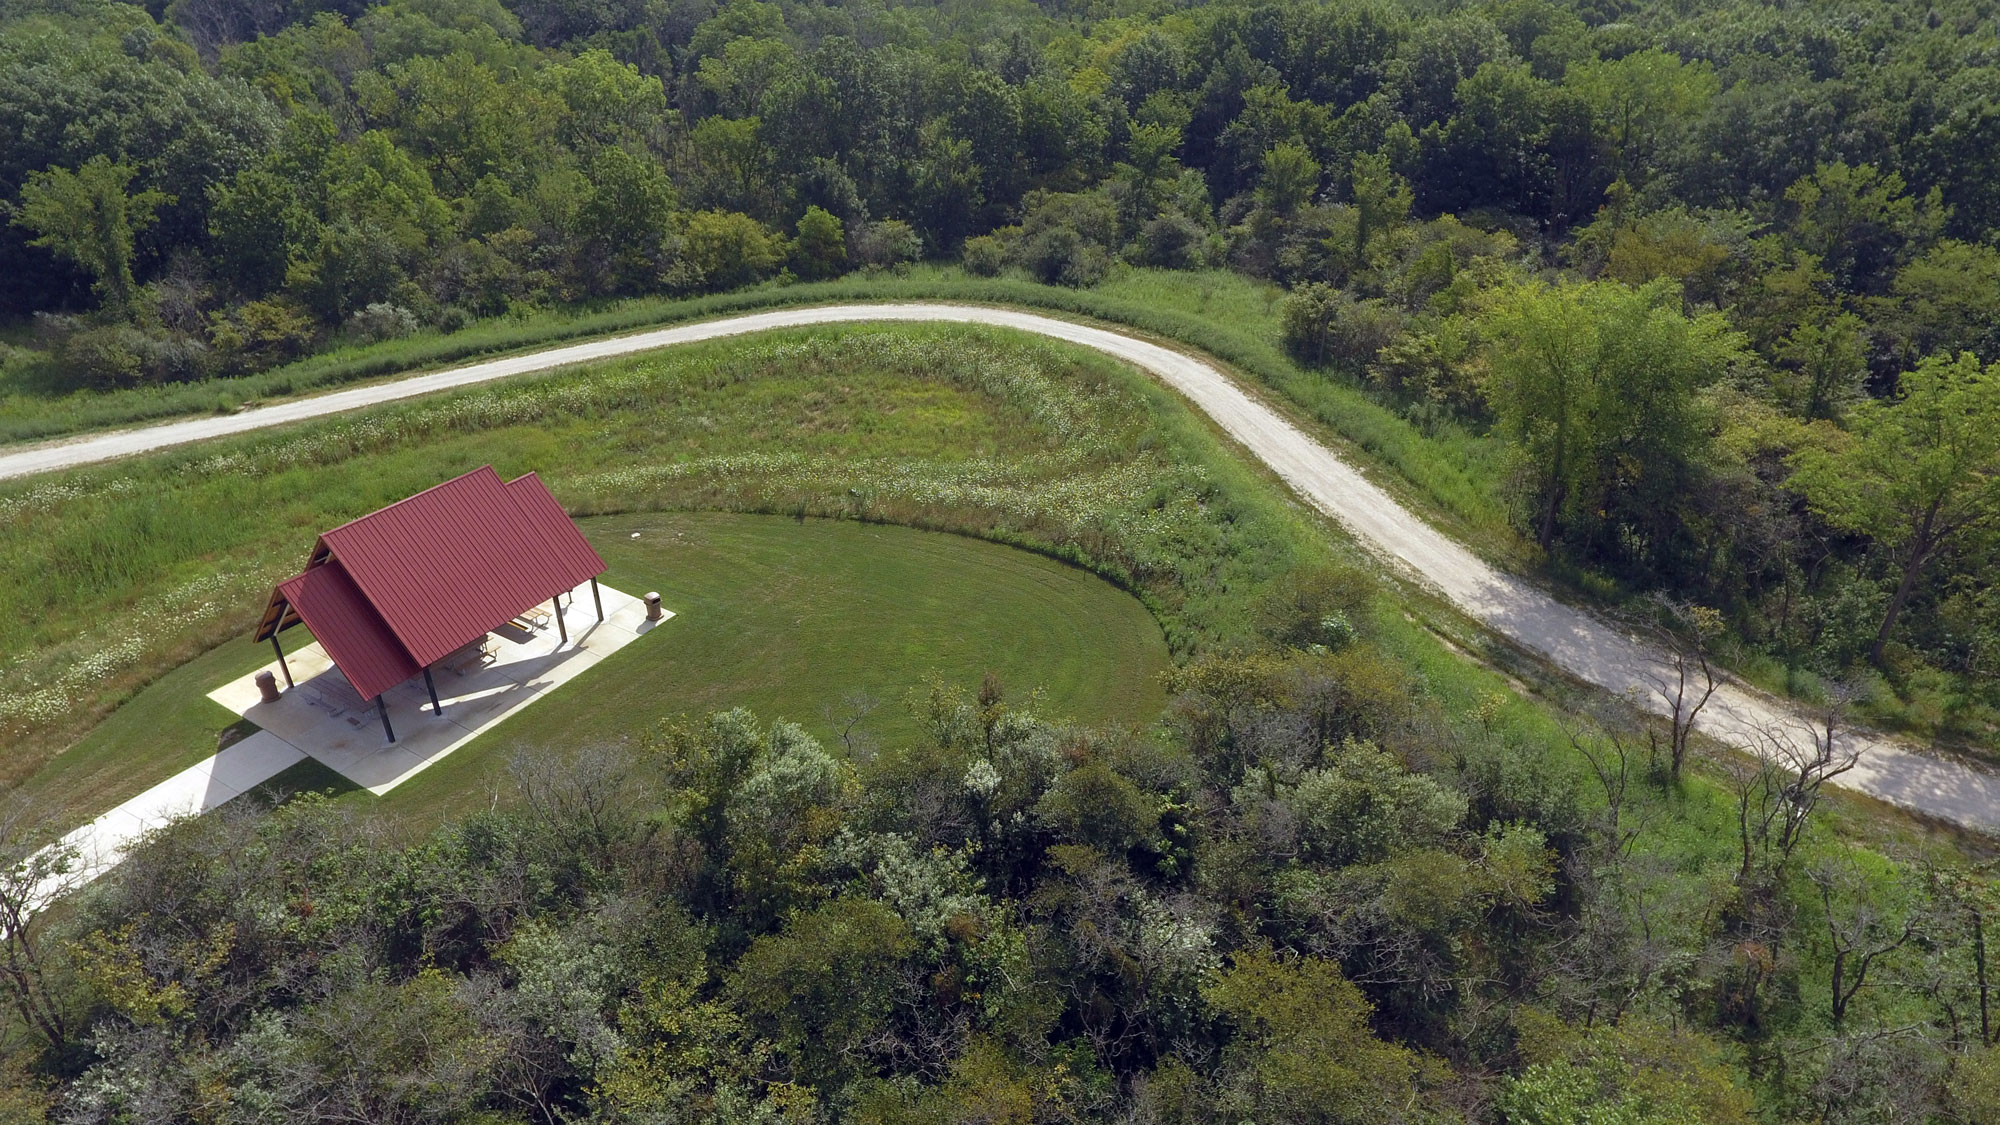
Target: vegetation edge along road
1573,639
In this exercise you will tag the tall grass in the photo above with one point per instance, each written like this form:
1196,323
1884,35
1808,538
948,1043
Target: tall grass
1448,469
113,574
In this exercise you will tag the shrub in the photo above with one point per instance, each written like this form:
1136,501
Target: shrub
109,356
1061,256
728,249
1065,238
1170,241
891,244
1321,606
1437,365
261,334
819,250
1323,326
984,256
381,321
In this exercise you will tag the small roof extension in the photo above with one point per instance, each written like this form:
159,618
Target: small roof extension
388,594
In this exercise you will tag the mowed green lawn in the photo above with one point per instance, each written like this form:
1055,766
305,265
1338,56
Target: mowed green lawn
793,619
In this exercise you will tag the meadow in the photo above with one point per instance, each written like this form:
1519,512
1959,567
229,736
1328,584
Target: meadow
831,622
117,575
148,570
1452,475
1443,467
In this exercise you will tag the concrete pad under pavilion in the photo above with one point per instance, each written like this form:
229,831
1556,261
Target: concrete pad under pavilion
323,718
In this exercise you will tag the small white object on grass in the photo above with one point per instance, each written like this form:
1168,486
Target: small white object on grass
635,535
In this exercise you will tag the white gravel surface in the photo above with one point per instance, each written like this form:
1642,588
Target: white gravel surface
1573,639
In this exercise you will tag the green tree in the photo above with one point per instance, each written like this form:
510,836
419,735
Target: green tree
1382,201
726,249
1823,366
1291,176
257,223
87,217
728,165
1596,385
463,120
1916,475
605,102
1633,1073
1639,98
1303,1051
1149,166
623,221
1860,223
1947,301
819,249
824,989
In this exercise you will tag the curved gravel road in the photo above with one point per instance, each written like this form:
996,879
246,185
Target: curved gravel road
1573,639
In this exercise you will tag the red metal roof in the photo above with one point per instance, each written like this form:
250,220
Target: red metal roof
567,550
350,630
441,568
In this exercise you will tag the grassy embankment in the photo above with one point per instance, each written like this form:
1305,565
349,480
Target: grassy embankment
113,576
1221,313
1448,473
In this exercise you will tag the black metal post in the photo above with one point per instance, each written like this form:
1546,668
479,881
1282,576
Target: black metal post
382,705
436,707
560,627
275,647
598,598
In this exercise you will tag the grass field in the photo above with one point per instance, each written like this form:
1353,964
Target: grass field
116,576
1444,468
786,617
123,573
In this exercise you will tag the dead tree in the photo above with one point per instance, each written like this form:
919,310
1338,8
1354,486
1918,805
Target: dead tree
1689,680
1601,740
1859,928
1777,795
1964,900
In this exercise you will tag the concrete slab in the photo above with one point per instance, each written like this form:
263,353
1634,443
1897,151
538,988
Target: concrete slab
321,716
98,846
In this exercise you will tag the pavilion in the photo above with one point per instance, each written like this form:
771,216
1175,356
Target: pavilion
391,594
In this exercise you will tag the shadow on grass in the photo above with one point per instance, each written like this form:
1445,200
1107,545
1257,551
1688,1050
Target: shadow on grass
309,776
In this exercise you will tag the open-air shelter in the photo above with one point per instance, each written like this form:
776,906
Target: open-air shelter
391,594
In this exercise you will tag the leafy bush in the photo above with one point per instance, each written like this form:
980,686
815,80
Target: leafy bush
1317,606
888,245
100,357
727,249
1170,241
1061,256
1325,327
260,334
381,321
984,256
819,249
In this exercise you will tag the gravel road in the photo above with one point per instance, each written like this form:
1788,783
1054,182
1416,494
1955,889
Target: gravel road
1573,639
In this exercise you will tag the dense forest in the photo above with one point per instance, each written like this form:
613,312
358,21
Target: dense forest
1720,279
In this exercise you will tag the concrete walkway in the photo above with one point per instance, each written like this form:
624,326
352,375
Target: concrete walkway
1573,639
323,719
97,847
